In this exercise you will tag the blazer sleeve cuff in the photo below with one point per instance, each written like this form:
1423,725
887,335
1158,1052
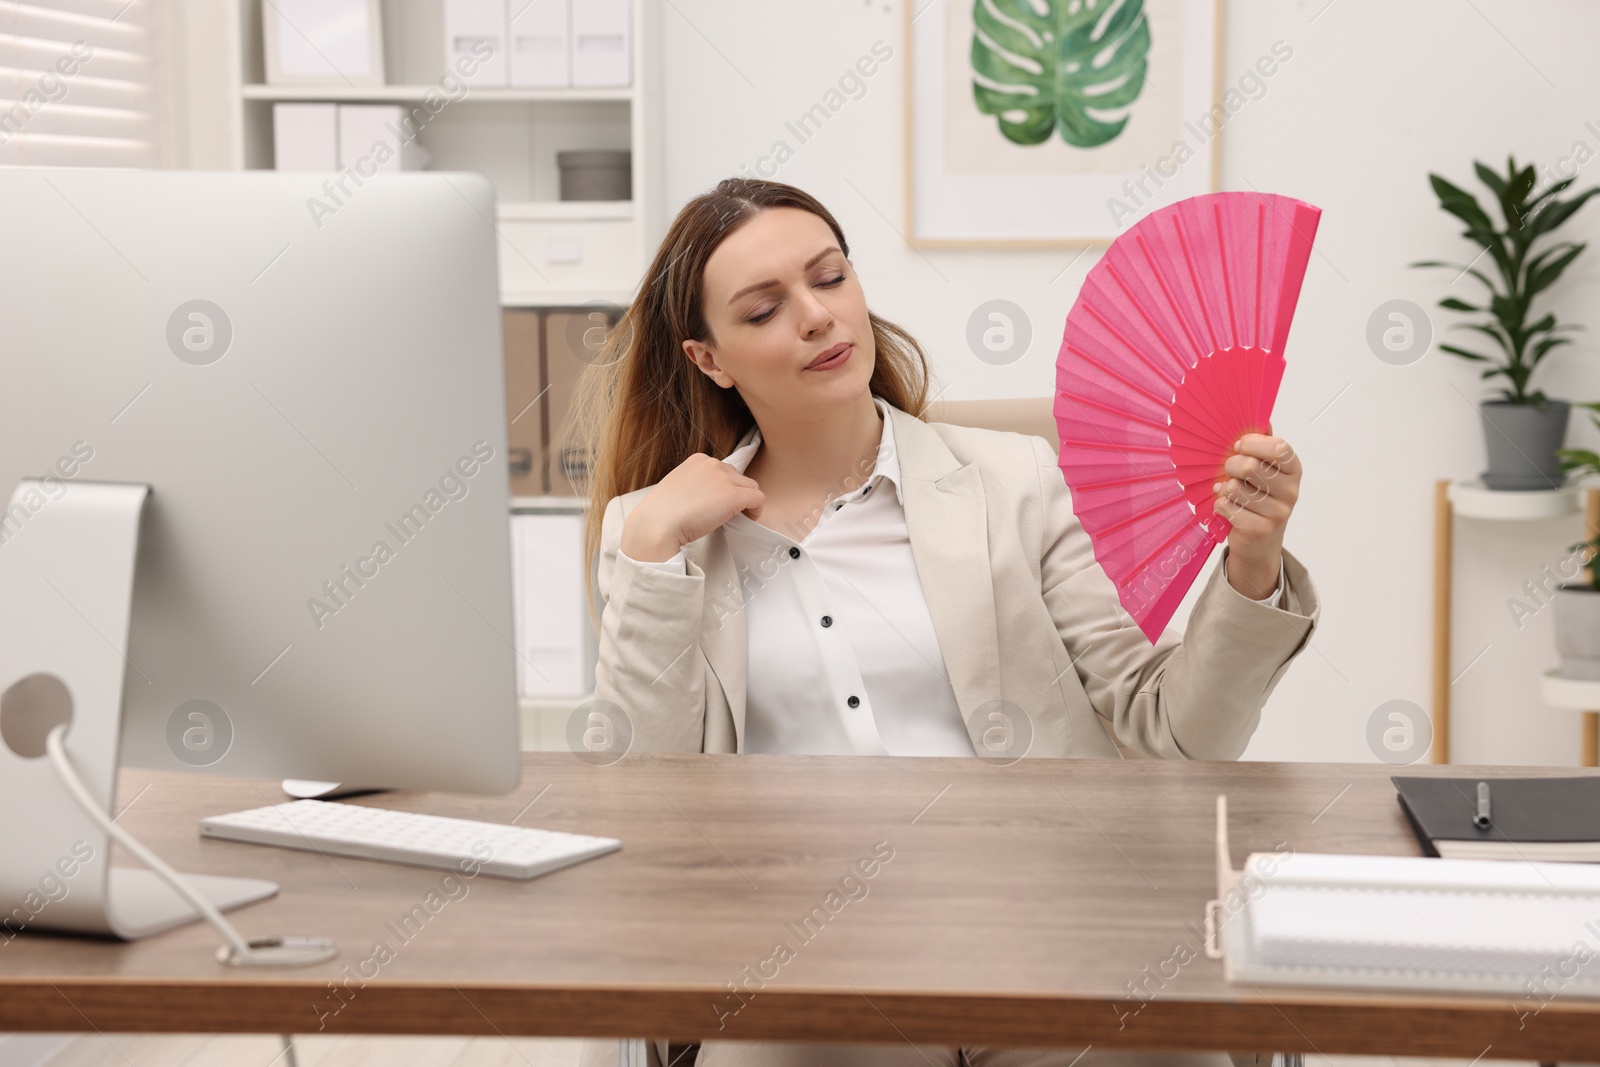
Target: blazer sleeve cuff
677,563
651,598
1271,599
1295,593
1246,646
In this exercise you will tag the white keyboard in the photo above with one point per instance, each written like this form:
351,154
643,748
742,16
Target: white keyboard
408,837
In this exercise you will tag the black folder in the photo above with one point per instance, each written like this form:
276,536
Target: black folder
1529,818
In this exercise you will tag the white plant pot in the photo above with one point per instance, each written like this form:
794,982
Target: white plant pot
1577,615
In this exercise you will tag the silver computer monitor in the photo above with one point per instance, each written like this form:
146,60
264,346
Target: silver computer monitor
309,376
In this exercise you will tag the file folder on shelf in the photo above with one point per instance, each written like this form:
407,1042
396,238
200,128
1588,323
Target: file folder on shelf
378,138
539,44
556,647
305,137
1402,922
601,53
477,29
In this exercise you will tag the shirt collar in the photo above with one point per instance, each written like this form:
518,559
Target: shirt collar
888,463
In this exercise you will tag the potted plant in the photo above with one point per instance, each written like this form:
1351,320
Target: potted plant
1523,428
1577,603
1577,618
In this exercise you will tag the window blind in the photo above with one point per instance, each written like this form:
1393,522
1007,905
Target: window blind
77,83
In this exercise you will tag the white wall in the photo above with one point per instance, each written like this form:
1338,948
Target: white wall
201,134
1375,96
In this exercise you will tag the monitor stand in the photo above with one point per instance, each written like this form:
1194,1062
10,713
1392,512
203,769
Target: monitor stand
306,789
67,560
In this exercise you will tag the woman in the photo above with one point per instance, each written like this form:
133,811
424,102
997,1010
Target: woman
791,560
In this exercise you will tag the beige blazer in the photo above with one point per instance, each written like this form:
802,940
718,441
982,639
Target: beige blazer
1022,611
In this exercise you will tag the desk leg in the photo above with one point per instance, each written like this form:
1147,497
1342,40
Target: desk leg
1442,531
1591,739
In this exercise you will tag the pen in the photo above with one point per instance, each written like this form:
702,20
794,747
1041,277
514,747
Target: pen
1481,820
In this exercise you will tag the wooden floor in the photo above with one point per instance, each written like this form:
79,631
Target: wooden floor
233,1050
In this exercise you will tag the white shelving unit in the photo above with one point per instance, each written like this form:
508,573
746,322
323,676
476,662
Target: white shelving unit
545,718
553,253
1576,694
1470,498
407,93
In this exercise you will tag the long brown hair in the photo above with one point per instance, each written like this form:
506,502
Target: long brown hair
642,407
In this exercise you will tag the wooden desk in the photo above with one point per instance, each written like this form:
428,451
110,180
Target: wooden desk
1047,903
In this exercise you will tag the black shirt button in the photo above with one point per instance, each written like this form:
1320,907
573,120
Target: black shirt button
854,702
827,620
794,553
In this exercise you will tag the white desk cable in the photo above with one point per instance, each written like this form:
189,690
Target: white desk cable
259,952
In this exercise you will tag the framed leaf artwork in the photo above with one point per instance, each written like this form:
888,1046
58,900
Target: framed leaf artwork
1048,123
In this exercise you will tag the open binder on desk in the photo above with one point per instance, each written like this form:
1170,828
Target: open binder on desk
1400,922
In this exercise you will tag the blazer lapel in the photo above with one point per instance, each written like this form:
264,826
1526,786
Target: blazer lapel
947,520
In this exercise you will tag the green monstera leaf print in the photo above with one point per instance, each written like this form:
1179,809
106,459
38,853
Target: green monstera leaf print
1075,66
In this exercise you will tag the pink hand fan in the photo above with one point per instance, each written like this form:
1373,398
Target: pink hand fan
1172,351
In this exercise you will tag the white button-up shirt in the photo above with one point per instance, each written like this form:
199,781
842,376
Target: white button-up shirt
843,657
